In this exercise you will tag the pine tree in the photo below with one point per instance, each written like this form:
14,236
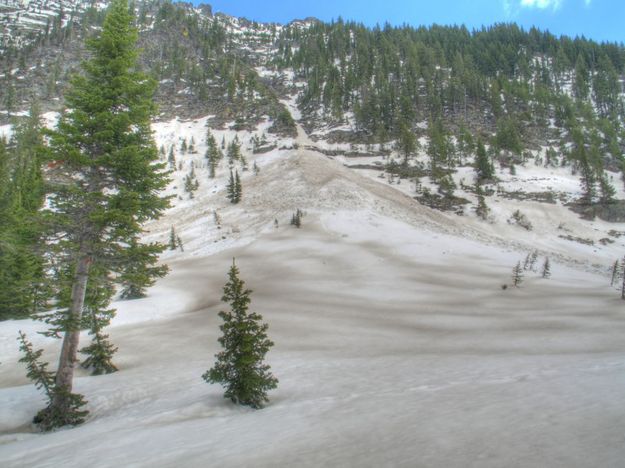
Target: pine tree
579,153
483,166
213,153
407,143
607,191
533,259
238,189
615,273
111,182
210,139
240,367
173,243
580,85
296,219
217,219
234,151
212,166
508,137
546,272
446,186
171,159
587,183
517,275
231,188
482,209
234,189
439,149
526,263
51,417
37,371
191,184
25,287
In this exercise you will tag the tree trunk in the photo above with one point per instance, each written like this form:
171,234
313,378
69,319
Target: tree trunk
65,372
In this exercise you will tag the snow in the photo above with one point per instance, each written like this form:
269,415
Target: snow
395,344
50,119
291,105
6,131
386,356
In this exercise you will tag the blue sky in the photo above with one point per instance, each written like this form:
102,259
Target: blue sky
602,20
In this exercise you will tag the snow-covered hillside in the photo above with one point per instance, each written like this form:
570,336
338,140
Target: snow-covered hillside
22,20
395,343
400,339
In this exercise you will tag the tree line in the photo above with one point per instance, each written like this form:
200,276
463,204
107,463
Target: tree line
512,88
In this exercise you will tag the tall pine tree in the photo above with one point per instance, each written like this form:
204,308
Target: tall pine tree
110,182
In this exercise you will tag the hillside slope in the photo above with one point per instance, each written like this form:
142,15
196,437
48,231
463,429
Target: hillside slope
399,338
395,344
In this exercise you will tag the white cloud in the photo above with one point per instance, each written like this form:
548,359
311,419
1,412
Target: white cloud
544,4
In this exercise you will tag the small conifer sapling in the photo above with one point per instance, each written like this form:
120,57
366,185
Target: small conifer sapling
546,272
173,239
240,366
533,259
191,184
615,273
482,209
296,219
51,417
100,352
526,262
171,159
517,275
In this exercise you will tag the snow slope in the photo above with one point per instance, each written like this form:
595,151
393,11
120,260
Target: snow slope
395,344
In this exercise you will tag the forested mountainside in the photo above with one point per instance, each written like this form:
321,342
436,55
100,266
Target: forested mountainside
512,89
516,90
198,59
